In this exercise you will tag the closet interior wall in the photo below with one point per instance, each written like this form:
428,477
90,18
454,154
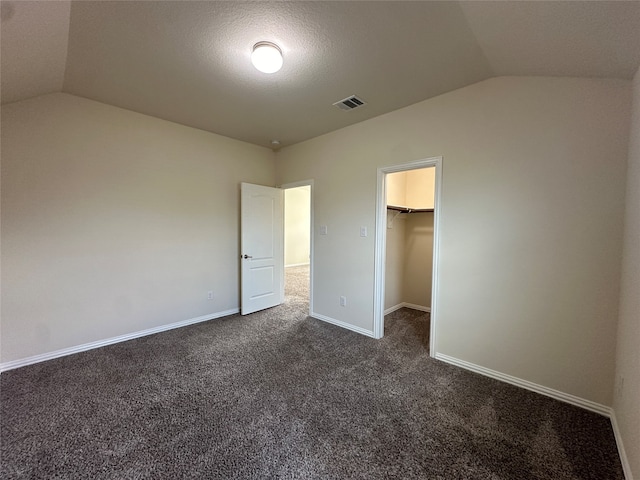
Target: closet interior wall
409,251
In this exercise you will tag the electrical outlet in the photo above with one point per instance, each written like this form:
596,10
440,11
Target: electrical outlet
210,295
343,301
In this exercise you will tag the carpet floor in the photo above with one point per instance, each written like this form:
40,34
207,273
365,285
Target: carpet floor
280,395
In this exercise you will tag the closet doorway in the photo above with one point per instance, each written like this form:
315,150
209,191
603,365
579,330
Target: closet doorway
298,252
407,242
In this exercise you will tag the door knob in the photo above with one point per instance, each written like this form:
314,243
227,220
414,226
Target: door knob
247,256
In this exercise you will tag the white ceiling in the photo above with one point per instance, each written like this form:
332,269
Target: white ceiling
33,48
188,62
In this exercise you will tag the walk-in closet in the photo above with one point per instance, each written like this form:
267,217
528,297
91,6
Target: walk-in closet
409,239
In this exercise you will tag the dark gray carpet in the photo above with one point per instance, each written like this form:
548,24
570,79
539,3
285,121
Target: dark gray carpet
280,395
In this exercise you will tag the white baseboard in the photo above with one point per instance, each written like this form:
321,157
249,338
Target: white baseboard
626,466
339,323
534,387
393,309
297,265
408,305
110,341
417,307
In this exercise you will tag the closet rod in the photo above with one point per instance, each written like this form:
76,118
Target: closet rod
408,210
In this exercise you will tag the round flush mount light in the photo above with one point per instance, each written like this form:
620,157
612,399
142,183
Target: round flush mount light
266,57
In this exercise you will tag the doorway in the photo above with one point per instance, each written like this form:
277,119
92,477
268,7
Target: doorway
422,220
298,251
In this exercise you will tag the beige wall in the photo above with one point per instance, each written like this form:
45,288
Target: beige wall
409,259
297,221
418,259
397,189
412,188
394,259
627,399
531,226
421,187
114,222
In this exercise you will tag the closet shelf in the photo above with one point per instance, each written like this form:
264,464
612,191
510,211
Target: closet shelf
408,210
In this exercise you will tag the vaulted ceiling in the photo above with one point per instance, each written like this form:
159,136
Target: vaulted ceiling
188,61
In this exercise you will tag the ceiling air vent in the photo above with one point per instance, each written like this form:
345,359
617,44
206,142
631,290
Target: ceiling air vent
350,103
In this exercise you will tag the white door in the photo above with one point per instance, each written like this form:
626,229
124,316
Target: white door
261,247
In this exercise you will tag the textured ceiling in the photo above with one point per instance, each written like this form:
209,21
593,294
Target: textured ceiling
188,61
33,48
561,38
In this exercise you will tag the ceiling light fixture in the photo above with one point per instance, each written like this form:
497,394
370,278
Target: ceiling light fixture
266,57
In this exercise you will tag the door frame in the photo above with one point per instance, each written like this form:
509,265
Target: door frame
304,183
381,244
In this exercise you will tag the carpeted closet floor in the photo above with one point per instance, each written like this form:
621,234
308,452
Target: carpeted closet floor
280,395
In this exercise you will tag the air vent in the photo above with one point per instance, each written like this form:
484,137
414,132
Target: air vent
350,103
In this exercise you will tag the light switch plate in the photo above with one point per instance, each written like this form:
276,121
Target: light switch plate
323,229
